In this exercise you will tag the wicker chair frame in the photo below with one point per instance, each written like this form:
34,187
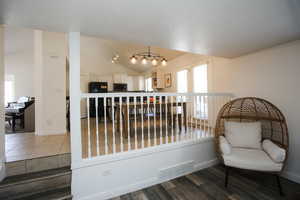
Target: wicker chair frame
249,109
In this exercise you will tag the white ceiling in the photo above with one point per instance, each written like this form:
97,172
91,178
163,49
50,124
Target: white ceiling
226,28
20,41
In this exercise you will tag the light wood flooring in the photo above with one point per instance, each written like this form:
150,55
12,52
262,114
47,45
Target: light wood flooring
135,140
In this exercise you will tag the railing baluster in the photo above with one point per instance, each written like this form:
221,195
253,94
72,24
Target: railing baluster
97,128
135,131
166,112
89,128
148,116
121,124
205,115
177,120
154,116
128,123
209,115
213,115
113,123
105,126
207,118
191,116
186,115
201,122
142,118
182,116
172,125
196,117
160,120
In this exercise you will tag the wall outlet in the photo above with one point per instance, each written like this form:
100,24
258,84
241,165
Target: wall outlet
106,173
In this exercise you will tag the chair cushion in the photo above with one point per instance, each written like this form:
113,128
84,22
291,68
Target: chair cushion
224,145
252,159
275,152
243,134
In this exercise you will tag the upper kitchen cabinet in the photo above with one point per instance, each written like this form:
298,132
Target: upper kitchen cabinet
120,78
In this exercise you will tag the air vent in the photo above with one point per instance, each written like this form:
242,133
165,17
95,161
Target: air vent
176,170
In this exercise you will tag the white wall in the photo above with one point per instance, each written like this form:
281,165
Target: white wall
186,61
19,60
96,62
51,84
37,61
272,74
96,65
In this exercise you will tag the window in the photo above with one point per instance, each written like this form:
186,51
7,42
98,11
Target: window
200,86
200,79
148,84
9,89
182,84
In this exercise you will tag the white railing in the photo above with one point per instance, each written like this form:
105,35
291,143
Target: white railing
120,122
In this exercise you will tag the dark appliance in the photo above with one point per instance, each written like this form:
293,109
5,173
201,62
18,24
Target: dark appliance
97,87
120,87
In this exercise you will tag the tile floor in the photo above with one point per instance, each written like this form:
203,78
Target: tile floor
21,146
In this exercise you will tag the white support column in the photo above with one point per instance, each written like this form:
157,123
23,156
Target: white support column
2,117
38,81
75,97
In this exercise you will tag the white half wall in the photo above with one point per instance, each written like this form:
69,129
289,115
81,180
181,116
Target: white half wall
136,171
272,74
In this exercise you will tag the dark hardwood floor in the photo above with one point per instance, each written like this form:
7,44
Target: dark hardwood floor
208,184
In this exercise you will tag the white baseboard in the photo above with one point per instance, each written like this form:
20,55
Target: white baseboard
147,183
2,169
291,176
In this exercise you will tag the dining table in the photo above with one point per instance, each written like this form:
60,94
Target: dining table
126,111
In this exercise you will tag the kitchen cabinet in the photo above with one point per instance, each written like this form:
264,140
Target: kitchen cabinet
120,78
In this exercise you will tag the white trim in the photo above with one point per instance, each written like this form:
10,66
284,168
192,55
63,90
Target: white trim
147,183
291,176
74,60
136,94
137,153
2,170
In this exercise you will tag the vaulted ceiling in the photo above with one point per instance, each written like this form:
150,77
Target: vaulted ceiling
125,50
227,28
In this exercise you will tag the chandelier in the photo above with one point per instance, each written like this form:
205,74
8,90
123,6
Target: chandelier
148,56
